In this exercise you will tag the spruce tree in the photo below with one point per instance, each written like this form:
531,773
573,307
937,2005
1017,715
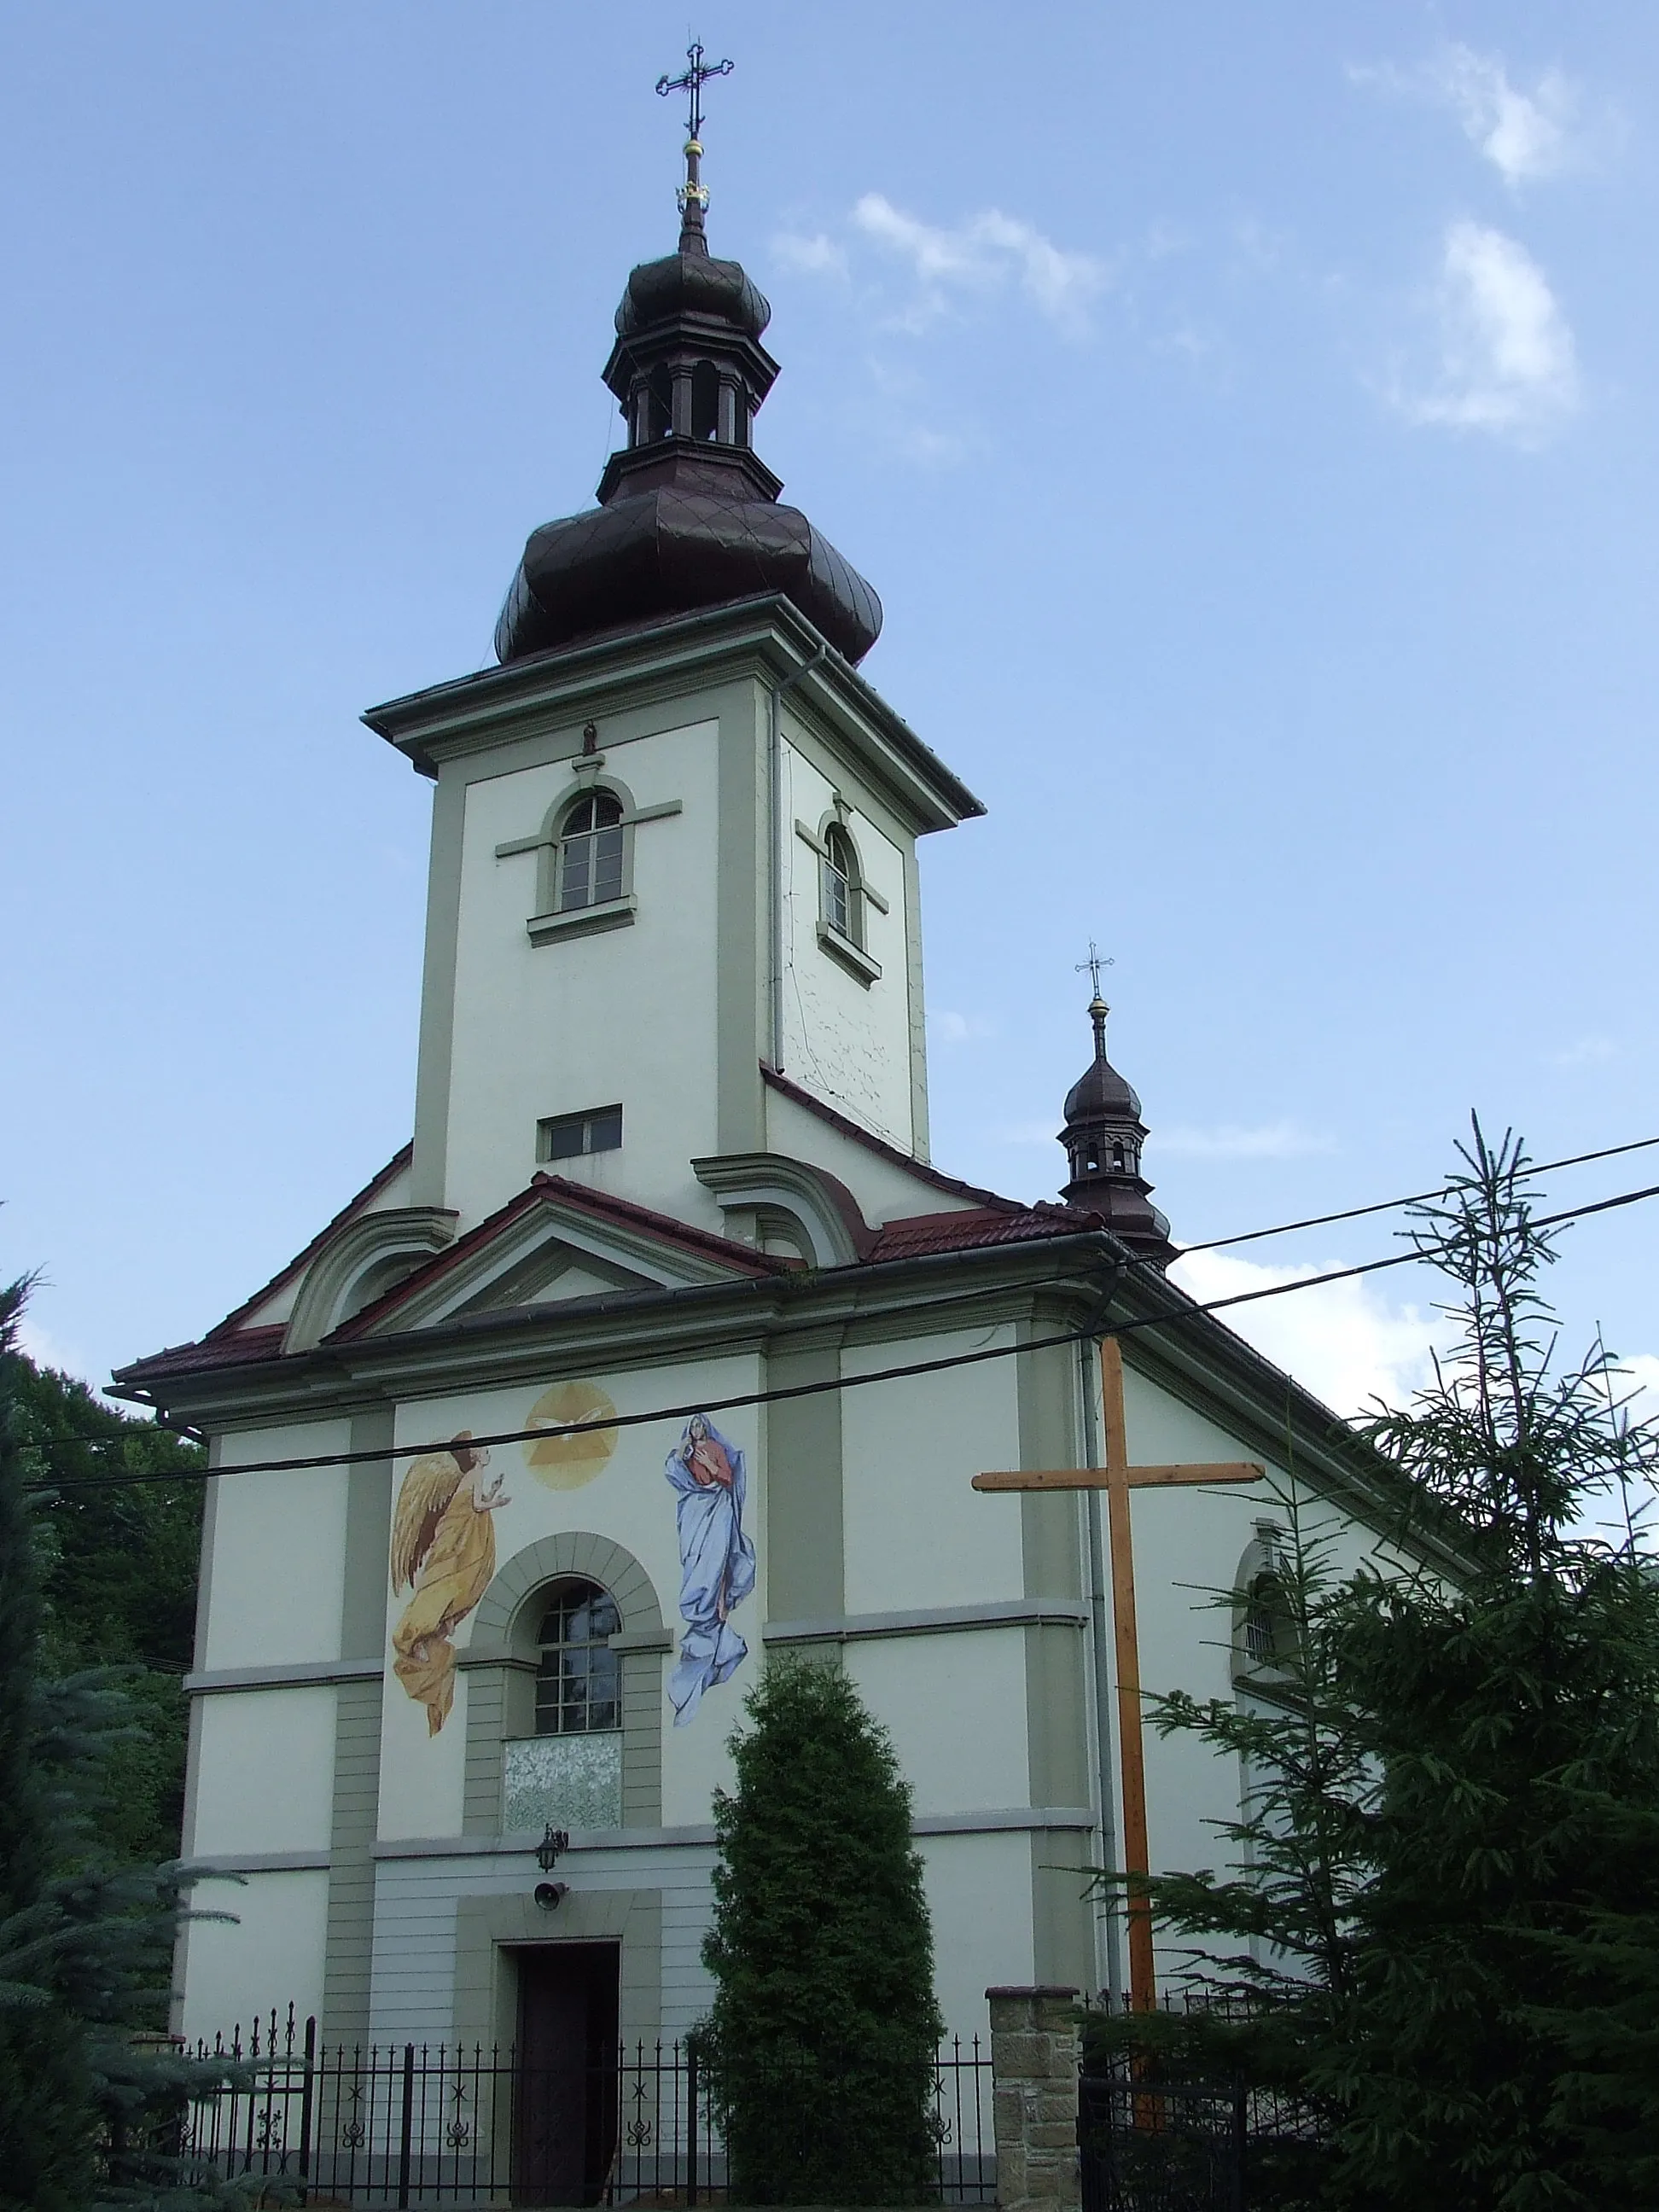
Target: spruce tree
1496,2057
1267,1982
821,2042
1450,1849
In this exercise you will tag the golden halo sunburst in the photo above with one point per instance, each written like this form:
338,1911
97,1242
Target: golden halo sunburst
567,1462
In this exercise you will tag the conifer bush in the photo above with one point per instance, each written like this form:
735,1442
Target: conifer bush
820,2046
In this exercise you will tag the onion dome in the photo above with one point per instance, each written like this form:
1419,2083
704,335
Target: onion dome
1103,1137
689,282
689,514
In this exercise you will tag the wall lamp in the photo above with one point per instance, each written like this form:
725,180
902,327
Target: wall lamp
550,1895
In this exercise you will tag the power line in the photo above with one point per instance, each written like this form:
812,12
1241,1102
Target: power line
1417,1198
807,1389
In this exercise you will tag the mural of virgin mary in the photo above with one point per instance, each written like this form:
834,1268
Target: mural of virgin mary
717,1561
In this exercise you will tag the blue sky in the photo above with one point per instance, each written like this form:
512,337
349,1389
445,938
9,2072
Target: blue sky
1248,417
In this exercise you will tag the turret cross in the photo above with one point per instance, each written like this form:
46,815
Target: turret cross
1094,964
693,82
1117,1479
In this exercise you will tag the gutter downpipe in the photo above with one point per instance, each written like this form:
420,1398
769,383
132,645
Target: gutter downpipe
1100,1648
774,808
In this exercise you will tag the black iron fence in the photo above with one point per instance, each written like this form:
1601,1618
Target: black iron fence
1148,2144
1177,2146
417,2124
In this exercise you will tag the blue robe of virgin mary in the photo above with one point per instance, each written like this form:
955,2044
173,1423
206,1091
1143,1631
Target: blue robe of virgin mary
717,1565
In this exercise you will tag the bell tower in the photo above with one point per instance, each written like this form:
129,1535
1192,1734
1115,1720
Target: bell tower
674,834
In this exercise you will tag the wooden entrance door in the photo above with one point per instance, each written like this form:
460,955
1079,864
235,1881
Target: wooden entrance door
565,2113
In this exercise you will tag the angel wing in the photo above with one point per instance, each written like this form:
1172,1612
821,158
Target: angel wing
431,1482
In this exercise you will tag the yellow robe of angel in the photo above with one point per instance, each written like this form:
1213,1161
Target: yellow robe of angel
443,1551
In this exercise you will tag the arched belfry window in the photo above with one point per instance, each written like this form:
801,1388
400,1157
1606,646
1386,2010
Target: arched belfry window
578,1675
705,401
585,852
843,907
845,896
590,856
659,411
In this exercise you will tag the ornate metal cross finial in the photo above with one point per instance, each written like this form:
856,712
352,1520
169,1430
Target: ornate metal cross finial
1094,964
693,194
693,82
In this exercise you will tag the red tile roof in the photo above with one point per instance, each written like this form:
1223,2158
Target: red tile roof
213,1351
916,1235
997,1221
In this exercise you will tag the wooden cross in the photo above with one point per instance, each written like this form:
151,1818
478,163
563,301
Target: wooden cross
1117,1479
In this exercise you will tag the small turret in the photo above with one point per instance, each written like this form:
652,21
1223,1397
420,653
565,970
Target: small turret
1103,1137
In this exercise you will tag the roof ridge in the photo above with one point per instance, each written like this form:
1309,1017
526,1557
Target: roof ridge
541,1186
921,1169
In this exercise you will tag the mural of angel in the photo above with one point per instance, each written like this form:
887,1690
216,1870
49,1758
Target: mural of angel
443,1552
717,1561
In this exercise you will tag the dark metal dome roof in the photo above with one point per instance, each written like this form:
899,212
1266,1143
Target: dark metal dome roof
665,550
692,284
1101,1094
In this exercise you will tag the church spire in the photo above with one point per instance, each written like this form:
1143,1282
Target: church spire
693,194
1103,1137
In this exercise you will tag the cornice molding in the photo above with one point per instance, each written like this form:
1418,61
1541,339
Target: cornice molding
334,1285
929,1620
764,638
834,1232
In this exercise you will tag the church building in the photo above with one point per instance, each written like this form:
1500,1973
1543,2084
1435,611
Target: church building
665,1347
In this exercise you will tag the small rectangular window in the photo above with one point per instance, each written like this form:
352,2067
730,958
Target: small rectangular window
570,1136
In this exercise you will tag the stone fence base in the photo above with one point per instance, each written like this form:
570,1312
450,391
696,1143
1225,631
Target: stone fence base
1034,2061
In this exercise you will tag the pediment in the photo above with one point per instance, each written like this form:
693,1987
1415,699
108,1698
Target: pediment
552,1246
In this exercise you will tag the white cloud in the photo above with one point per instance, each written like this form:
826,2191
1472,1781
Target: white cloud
981,256
1507,362
1524,134
950,1028
1028,1133
47,1351
817,256
1269,1140
1639,1378
1346,1342
1586,1052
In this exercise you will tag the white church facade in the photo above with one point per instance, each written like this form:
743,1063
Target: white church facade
668,1208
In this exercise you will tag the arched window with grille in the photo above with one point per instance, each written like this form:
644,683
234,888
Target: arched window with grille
569,1774
578,1675
1266,1629
1264,1615
590,853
